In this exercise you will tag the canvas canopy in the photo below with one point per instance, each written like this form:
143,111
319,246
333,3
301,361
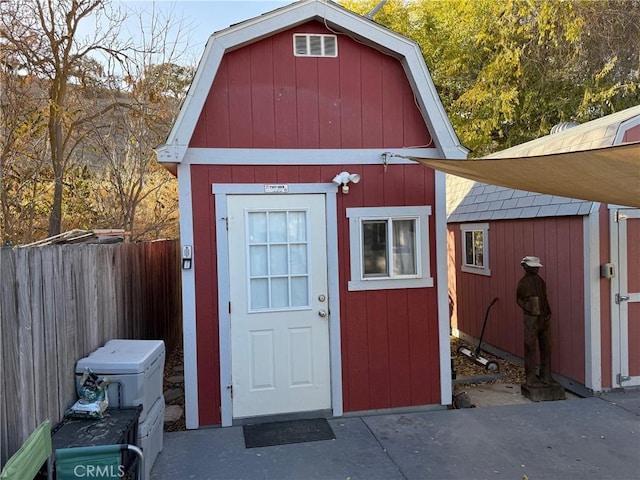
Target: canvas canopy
607,175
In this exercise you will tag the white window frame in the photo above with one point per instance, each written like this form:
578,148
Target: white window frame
477,269
421,279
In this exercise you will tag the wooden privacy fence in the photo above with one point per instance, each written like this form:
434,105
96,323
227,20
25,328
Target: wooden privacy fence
60,303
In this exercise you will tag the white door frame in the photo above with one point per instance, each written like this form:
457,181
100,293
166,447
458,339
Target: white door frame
619,325
220,192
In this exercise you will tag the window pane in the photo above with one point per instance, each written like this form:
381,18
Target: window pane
277,227
258,260
478,245
259,294
299,292
278,262
404,247
257,227
298,260
468,243
297,226
374,249
279,292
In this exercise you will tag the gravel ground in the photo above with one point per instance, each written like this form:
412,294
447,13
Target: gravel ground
174,380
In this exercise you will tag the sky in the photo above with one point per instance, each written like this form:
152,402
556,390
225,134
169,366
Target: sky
203,17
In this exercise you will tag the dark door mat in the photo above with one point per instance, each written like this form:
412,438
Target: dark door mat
283,433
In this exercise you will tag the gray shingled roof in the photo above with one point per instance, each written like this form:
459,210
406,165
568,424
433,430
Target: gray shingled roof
471,201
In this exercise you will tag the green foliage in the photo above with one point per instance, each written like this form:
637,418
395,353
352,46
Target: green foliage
508,70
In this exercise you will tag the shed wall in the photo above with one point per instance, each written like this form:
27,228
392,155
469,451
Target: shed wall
390,354
558,241
265,97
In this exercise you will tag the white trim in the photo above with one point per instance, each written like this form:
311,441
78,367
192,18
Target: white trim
592,339
303,156
622,309
486,254
444,323
333,273
220,192
338,18
615,311
423,279
189,331
224,316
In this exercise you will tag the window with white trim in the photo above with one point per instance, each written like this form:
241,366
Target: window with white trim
475,248
389,247
315,45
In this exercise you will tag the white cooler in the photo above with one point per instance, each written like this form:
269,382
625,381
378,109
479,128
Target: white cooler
150,435
136,370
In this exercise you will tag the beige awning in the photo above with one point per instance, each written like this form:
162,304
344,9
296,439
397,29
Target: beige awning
607,175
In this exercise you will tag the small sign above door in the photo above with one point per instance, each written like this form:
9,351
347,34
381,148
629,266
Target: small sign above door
280,188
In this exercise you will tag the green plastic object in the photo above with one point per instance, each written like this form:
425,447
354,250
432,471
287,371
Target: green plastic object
99,462
27,461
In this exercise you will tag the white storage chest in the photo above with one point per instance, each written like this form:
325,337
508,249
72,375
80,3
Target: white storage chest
150,435
135,369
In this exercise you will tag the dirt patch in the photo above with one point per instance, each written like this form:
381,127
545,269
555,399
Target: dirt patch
510,372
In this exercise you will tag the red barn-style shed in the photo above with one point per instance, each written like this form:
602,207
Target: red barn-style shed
591,257
314,271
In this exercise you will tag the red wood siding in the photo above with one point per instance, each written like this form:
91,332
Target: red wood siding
632,135
558,241
265,97
390,354
633,286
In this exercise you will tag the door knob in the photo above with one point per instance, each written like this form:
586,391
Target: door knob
322,313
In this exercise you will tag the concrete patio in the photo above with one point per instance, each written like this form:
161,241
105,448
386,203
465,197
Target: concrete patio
582,438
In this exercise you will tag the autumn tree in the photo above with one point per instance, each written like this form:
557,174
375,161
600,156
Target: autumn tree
99,106
136,192
23,148
45,40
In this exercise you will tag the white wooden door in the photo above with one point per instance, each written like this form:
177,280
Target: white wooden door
627,298
278,304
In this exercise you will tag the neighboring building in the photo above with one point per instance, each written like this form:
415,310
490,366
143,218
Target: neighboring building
301,293
591,257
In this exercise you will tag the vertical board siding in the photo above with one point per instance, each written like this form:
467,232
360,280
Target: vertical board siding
207,340
58,304
558,241
390,352
633,286
632,135
265,97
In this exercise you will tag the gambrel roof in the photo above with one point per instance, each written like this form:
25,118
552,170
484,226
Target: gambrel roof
336,18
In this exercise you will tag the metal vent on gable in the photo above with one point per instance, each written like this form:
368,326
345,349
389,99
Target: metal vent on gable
312,45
